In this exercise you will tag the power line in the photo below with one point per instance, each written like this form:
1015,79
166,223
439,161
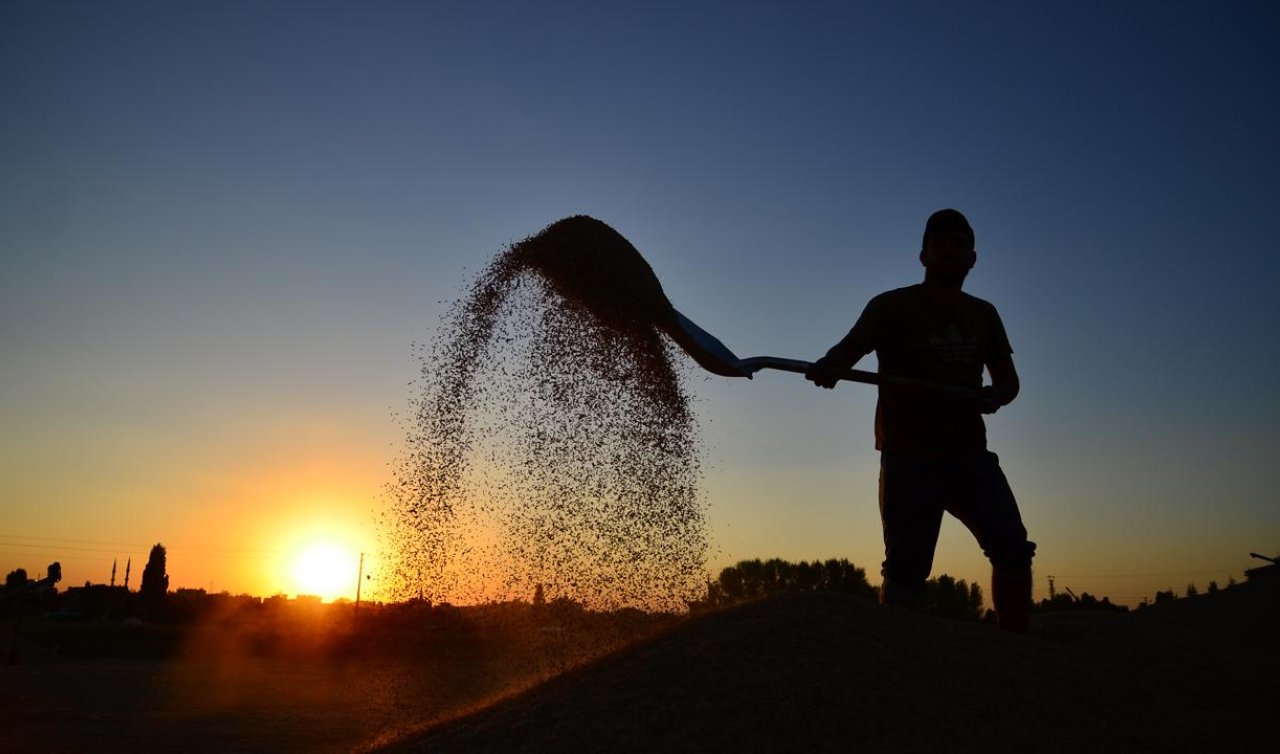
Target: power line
1146,575
67,539
17,556
55,543
58,548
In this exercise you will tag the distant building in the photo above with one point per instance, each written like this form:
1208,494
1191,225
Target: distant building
94,600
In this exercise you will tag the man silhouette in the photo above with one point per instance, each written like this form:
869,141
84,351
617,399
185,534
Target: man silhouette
933,445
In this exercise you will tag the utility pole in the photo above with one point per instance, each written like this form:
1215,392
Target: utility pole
1052,593
359,582
113,571
128,565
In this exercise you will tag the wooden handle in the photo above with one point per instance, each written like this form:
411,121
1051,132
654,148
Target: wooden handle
756,363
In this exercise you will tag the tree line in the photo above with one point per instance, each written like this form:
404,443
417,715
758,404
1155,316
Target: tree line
944,596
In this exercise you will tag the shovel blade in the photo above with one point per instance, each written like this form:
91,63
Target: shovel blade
704,348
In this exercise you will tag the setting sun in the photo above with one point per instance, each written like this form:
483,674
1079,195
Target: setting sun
325,570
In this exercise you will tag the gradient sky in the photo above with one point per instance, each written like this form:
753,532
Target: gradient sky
223,226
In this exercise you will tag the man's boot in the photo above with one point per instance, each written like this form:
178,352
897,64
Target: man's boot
1011,593
893,595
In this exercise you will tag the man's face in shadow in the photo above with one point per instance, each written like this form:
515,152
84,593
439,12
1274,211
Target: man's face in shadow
948,255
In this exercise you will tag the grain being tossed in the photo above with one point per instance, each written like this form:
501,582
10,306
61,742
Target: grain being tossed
551,442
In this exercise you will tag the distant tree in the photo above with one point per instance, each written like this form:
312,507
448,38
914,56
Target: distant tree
1213,587
758,578
1191,590
1231,581
776,576
843,576
752,577
15,580
1166,596
539,598
155,581
949,597
715,596
808,577
730,584
53,574
565,608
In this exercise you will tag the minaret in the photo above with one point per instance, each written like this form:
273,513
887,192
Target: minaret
113,570
127,567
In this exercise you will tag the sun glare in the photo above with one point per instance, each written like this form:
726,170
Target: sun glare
325,570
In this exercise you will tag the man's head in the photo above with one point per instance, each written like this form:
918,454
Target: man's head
947,251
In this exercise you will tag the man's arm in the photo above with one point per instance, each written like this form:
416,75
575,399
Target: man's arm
858,342
1004,384
825,372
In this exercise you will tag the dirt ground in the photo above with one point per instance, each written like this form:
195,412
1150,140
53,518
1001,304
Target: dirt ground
824,672
192,706
210,698
802,672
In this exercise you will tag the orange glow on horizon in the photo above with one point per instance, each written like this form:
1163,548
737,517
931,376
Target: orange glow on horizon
325,569
319,540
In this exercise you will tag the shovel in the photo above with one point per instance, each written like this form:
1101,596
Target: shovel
589,262
712,355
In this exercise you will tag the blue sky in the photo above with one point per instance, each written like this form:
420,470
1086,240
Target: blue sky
223,226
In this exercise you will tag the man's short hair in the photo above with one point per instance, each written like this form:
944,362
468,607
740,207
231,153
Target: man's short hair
947,219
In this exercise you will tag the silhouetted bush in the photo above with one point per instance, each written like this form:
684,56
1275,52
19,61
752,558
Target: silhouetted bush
759,578
15,580
948,597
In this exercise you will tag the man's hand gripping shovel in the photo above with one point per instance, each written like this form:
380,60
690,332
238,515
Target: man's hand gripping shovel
715,357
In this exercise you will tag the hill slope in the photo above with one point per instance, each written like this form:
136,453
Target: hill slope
825,672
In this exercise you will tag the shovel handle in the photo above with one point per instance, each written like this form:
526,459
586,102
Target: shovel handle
753,364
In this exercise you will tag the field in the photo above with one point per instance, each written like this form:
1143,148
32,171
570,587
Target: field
824,672
282,684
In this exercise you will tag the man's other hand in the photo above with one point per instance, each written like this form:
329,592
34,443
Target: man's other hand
990,399
824,373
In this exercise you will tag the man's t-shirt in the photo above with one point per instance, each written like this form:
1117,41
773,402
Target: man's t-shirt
915,335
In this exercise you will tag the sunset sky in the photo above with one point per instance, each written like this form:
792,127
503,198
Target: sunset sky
224,225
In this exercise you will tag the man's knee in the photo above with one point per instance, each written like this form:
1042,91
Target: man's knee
1012,556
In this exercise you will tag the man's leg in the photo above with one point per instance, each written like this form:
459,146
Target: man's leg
987,507
1011,594
911,509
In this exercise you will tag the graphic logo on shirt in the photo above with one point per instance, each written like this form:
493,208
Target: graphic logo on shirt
955,347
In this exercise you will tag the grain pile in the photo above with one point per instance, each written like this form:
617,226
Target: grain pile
550,441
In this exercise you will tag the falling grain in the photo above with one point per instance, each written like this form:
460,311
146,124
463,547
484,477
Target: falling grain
550,440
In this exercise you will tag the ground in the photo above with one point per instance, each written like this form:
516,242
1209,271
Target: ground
800,672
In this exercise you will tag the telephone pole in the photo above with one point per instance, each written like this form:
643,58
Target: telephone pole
359,582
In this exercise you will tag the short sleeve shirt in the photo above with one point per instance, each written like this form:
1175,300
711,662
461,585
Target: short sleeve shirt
917,336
